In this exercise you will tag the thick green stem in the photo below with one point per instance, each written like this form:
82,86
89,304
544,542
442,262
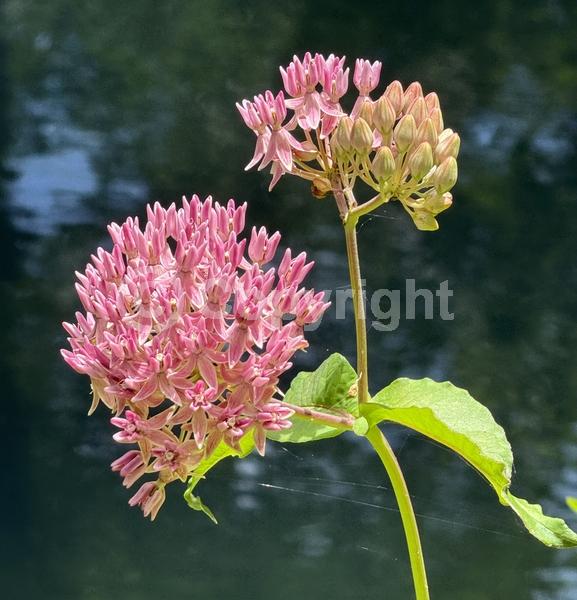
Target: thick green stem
379,442
375,436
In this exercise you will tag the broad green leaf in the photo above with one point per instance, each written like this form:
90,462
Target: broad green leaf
552,531
331,389
222,451
449,415
572,503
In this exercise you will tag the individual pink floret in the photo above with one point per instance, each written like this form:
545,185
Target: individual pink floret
366,76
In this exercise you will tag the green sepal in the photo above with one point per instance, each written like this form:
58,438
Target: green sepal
221,452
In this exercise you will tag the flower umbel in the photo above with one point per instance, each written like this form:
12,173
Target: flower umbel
184,336
396,143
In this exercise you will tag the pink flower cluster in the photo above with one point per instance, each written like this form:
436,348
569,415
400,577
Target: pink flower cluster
312,107
185,335
396,144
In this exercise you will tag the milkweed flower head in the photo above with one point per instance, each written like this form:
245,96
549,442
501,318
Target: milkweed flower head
185,332
395,142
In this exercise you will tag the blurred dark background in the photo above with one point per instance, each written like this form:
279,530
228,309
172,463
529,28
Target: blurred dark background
107,105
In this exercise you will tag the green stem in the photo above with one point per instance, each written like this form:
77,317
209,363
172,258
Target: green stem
379,442
367,207
374,435
334,420
359,307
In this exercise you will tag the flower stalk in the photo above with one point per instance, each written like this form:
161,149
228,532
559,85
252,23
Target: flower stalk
334,420
379,442
359,308
375,436
397,146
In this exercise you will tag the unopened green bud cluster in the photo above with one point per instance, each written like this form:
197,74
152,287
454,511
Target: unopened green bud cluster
399,147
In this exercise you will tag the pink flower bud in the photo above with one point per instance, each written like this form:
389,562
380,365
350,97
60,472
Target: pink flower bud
432,101
361,136
395,95
448,145
342,135
437,118
446,175
426,132
366,111
421,161
412,92
383,165
384,115
405,132
419,110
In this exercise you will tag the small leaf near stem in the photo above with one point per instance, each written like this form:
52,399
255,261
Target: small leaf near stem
325,402
222,451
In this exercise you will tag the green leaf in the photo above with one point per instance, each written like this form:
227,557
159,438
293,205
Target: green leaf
221,452
552,531
449,415
572,503
331,389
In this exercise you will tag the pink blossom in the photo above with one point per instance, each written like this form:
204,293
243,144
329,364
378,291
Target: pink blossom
131,466
262,248
150,497
366,76
300,80
185,334
274,141
277,171
250,115
335,83
316,139
176,457
315,86
134,428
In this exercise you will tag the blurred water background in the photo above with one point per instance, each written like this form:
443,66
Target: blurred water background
107,105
